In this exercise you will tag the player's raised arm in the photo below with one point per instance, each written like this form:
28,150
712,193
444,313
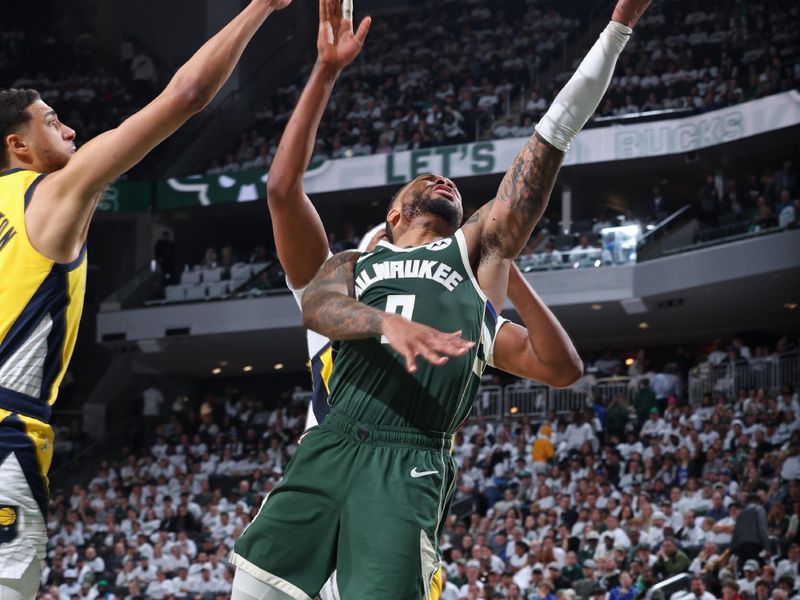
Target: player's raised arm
62,205
542,349
505,224
330,309
299,234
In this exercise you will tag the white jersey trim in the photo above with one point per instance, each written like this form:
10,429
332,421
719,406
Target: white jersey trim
23,371
490,354
268,578
298,292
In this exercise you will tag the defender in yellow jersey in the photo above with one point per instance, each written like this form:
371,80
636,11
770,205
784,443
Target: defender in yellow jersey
48,194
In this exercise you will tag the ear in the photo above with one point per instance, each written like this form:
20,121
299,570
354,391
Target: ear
393,217
16,144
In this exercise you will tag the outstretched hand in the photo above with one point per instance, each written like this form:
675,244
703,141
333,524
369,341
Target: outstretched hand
628,12
337,45
412,339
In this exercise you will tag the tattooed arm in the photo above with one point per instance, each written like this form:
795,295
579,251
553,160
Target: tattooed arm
504,225
329,305
507,221
330,309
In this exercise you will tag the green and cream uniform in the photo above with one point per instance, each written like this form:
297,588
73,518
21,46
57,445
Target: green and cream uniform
368,490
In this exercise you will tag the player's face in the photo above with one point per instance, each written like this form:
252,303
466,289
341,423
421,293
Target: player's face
50,142
431,194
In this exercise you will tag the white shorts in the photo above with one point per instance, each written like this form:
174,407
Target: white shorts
23,534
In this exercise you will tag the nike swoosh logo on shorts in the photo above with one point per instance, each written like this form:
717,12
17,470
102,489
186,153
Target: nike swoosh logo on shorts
415,473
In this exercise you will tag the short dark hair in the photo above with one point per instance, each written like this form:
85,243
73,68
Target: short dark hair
14,113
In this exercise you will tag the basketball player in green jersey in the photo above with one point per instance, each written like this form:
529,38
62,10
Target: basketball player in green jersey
302,247
366,491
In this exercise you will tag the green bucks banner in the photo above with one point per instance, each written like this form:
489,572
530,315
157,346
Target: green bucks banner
127,196
622,142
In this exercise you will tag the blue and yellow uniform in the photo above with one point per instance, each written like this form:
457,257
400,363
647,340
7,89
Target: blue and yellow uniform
40,309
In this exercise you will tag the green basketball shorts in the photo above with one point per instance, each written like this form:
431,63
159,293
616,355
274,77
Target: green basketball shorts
368,501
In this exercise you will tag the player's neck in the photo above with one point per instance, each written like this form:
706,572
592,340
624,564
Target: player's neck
15,163
420,232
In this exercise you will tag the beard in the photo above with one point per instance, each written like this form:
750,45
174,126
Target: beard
53,160
429,203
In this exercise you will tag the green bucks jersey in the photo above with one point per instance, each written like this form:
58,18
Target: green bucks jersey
434,285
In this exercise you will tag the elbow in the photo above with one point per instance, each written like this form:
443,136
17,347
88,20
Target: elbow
568,374
277,190
191,96
309,314
282,184
308,319
196,98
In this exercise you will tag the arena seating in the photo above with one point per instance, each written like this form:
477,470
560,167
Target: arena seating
423,79
644,465
683,58
89,96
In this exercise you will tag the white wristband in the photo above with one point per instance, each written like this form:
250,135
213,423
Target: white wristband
578,100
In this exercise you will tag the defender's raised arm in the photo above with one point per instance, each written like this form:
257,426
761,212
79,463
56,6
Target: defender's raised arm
299,234
63,204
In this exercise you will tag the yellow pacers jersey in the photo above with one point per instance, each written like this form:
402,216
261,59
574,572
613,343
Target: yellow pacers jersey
40,308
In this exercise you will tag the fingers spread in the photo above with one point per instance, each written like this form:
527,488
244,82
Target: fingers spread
432,357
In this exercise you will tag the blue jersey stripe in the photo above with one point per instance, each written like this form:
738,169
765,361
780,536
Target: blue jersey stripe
50,299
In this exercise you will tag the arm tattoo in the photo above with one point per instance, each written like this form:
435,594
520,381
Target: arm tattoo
524,194
329,305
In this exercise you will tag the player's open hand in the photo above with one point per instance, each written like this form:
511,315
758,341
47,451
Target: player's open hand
412,339
337,45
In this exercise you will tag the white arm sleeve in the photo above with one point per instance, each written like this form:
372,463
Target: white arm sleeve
579,99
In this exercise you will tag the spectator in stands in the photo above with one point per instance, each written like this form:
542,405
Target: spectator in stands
551,257
708,202
750,536
660,208
152,399
625,590
143,75
543,449
790,214
666,384
536,105
584,254
210,259
670,559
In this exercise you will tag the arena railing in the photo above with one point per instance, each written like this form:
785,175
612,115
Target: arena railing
768,373
535,401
